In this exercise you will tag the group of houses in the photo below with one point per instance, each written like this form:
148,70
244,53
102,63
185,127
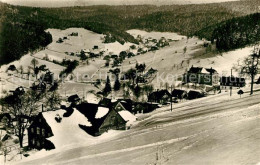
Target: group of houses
164,97
210,77
104,116
151,44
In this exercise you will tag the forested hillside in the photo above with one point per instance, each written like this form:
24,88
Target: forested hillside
20,33
22,28
237,32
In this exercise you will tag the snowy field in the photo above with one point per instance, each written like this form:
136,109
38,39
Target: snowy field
169,60
214,130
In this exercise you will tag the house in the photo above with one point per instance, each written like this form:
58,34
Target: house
123,104
38,132
144,107
232,81
48,78
74,99
105,102
194,95
18,91
179,94
162,97
103,118
200,75
54,129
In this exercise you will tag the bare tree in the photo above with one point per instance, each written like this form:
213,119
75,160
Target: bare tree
34,63
22,106
4,151
21,70
251,66
52,100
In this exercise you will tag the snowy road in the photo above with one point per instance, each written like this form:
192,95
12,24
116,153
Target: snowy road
212,130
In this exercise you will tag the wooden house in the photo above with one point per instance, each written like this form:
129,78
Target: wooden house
102,118
74,99
200,75
162,97
232,81
179,94
144,107
61,125
38,132
195,95
123,104
48,78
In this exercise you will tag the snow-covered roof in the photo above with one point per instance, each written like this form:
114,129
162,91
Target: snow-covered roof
204,71
67,131
127,116
91,98
101,112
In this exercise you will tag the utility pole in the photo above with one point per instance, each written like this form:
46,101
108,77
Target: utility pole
231,84
83,93
171,98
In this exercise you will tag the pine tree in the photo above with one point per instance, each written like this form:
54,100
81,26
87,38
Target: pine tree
117,84
107,88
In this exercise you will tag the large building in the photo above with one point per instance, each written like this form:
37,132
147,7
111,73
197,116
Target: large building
200,75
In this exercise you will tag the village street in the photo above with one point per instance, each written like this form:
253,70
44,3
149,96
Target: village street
218,130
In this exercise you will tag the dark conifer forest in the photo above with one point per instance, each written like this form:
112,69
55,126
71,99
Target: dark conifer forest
22,29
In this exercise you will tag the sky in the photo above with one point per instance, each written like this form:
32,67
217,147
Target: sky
63,3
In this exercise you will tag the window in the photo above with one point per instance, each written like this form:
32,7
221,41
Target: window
38,131
38,143
32,130
43,132
33,141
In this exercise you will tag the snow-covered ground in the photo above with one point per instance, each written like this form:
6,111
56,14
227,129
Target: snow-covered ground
214,130
155,35
170,60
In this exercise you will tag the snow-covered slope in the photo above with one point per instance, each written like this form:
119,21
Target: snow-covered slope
214,130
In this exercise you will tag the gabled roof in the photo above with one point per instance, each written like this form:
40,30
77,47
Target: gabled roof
202,70
211,71
127,116
93,113
195,70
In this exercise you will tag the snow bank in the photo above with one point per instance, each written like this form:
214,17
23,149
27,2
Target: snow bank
102,111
